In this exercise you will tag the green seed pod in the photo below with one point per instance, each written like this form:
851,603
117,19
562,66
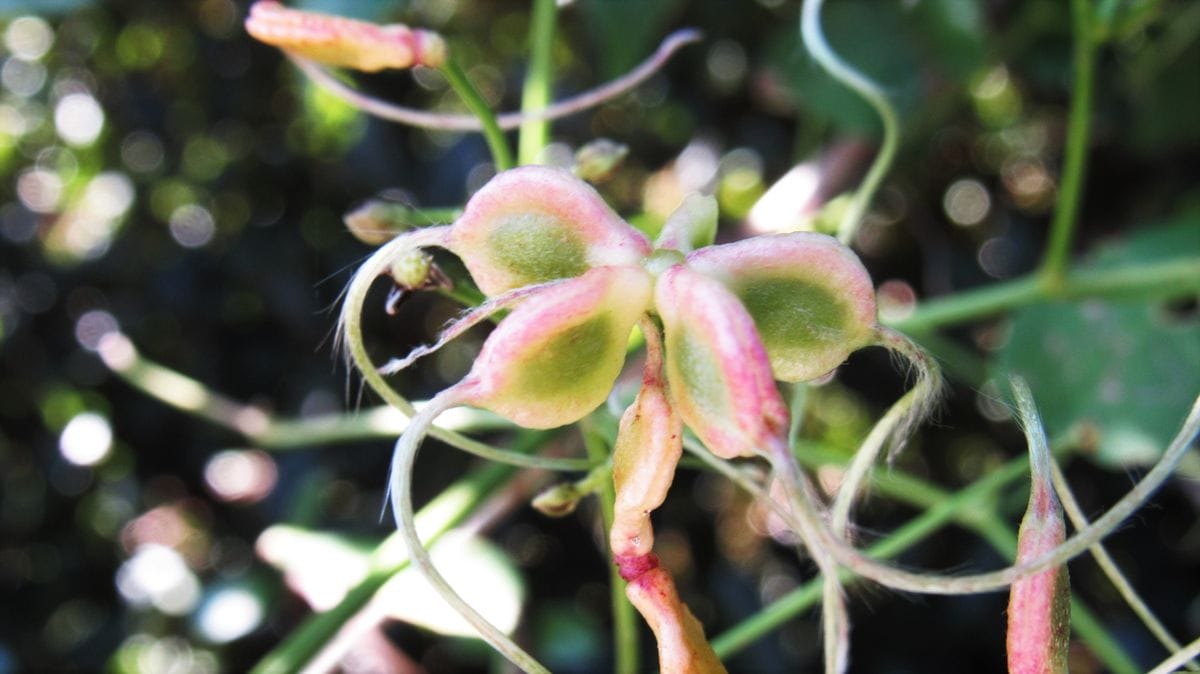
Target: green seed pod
536,224
556,356
811,298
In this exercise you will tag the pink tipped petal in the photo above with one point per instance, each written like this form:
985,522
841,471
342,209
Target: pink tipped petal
811,298
719,375
682,647
649,444
339,41
535,224
555,357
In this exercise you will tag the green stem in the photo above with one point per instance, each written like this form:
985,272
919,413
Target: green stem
470,96
814,41
389,558
625,631
1159,280
1066,213
535,133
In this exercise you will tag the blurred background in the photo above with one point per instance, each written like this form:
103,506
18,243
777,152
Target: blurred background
164,176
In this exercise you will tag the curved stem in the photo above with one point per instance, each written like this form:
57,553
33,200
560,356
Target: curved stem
814,40
506,121
501,154
897,423
350,332
1172,663
998,580
810,523
1066,212
400,486
1113,572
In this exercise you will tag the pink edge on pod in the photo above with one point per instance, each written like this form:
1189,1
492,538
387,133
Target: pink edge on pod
556,356
339,41
535,224
682,646
811,298
717,369
649,444
1039,607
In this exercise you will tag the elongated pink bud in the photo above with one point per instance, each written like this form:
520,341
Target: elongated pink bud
556,356
339,41
719,375
649,444
1039,607
535,224
682,647
811,298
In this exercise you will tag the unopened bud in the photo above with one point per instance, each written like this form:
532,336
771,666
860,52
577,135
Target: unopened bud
377,221
693,225
1039,606
597,160
339,41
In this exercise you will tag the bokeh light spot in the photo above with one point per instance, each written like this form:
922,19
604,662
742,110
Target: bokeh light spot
241,476
29,37
78,119
192,226
86,440
967,202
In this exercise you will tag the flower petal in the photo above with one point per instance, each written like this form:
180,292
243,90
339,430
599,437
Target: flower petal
811,298
535,224
555,357
718,372
649,444
339,41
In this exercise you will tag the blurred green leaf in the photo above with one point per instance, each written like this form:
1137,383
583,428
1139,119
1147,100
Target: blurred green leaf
1128,369
624,31
367,10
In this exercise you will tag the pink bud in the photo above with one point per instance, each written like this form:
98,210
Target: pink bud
682,647
812,300
1039,606
649,444
717,368
535,224
339,41
556,356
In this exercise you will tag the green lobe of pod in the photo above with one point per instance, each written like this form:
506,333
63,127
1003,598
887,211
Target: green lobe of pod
535,248
555,357
812,301
535,224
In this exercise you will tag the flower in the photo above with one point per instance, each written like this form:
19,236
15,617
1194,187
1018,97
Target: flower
722,324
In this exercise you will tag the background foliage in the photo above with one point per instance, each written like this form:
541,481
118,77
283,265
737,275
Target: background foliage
163,173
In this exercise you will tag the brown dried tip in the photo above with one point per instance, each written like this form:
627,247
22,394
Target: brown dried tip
339,41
